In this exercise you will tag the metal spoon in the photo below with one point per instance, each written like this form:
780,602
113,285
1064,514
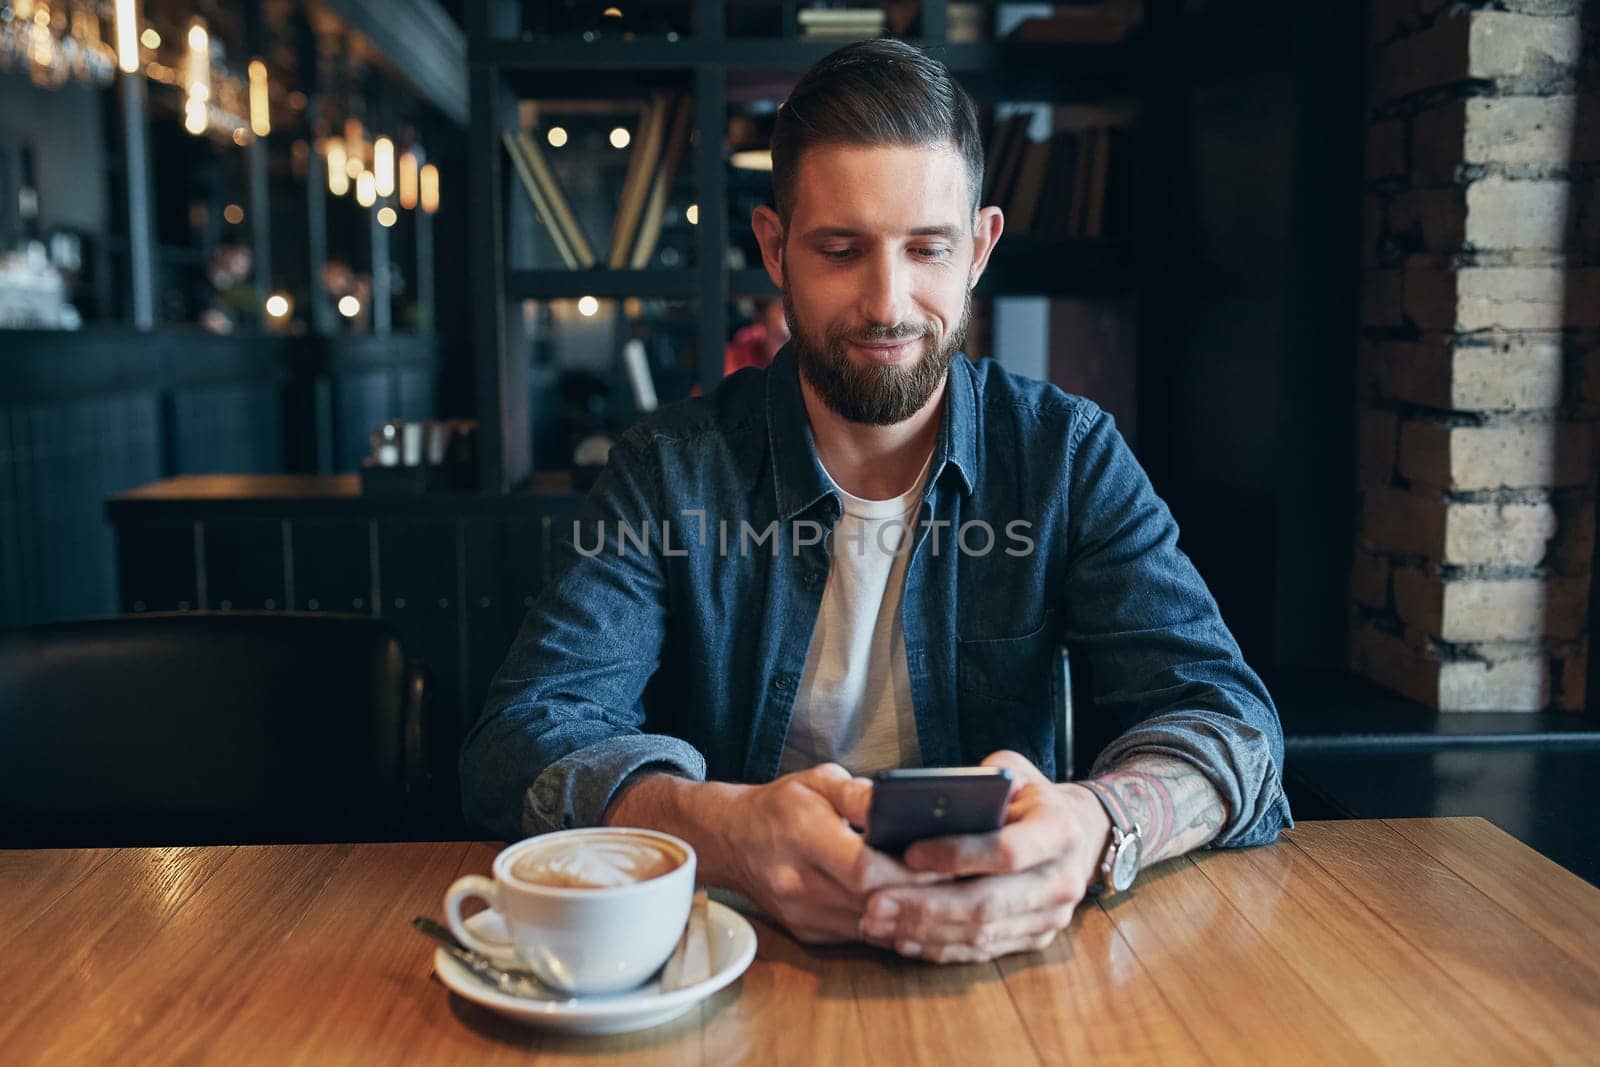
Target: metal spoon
515,983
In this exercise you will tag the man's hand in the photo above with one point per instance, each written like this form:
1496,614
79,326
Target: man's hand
788,845
799,860
1033,872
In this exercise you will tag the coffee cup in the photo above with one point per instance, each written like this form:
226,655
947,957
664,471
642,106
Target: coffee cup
590,911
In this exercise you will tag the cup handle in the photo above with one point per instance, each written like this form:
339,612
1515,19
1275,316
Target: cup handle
463,889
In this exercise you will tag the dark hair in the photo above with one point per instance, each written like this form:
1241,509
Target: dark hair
880,91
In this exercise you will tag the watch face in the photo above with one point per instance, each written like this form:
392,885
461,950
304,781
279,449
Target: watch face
1125,866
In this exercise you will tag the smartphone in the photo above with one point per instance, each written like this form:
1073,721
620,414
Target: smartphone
909,805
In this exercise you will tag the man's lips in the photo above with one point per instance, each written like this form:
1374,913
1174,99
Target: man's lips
887,351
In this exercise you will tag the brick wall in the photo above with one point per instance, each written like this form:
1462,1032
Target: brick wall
1479,367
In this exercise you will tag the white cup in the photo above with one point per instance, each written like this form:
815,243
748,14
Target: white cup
582,940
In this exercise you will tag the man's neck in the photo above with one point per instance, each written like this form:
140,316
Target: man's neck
873,462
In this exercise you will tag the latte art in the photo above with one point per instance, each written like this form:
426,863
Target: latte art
596,862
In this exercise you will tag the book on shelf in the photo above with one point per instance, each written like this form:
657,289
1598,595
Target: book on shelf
1104,23
549,202
966,23
661,188
1030,185
845,16
841,24
541,206
1013,138
1099,166
1052,216
1076,217
1078,183
636,184
1001,139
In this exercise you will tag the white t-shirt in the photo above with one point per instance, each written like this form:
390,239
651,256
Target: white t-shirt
854,702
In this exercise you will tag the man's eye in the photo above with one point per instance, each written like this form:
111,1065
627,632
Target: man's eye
838,254
934,252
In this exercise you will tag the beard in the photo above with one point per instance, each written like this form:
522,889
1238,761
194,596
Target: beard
873,394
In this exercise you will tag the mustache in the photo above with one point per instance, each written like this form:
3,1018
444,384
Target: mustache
900,331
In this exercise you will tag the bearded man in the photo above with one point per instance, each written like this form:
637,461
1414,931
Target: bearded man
869,555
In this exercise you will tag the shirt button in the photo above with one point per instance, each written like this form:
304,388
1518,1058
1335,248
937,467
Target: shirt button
783,683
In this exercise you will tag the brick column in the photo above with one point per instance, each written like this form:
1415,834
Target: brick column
1479,362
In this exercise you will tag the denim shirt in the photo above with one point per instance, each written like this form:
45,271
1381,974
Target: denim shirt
674,630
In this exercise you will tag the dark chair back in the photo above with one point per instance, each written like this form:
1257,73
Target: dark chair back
1081,733
207,728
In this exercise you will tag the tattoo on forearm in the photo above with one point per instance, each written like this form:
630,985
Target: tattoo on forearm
1171,801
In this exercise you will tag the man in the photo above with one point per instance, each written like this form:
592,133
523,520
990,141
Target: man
785,586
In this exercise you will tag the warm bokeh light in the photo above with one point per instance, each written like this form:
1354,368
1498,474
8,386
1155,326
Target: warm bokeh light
234,214
620,138
349,306
338,177
386,216
149,38
408,180
279,306
587,306
383,165
128,36
197,79
355,141
260,115
557,136
366,189
752,159
353,166
692,213
429,191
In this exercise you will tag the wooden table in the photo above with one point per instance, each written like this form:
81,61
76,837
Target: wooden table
1438,940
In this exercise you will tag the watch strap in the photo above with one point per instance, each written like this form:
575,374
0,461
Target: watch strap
1120,832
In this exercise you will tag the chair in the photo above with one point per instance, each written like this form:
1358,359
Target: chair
208,728
1081,733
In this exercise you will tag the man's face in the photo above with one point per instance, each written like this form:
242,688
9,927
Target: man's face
877,262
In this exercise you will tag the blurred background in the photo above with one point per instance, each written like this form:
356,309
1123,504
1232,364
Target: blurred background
336,306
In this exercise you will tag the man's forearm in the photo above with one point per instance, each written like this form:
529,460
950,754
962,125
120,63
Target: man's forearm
697,812
1171,802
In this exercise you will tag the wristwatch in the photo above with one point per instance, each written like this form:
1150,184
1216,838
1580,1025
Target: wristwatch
1120,864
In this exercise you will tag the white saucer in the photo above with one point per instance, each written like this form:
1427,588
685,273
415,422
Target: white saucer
733,946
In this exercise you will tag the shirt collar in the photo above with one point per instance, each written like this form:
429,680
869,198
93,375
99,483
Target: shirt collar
797,473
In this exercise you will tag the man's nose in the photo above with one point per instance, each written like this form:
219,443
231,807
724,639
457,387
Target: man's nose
886,291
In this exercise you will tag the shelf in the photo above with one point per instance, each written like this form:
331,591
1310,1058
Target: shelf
752,281
557,284
1032,266
1021,266
989,70
722,72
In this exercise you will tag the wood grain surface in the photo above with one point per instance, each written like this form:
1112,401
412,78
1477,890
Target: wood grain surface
1411,941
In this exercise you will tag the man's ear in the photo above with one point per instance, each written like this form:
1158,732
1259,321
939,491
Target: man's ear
769,235
986,231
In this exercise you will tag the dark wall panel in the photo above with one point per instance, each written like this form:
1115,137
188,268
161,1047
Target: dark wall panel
158,566
332,565
236,428
245,564
89,414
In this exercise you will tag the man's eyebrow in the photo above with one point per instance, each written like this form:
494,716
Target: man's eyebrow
823,232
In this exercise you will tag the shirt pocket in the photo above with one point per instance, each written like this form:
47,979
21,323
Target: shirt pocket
1007,695
1018,670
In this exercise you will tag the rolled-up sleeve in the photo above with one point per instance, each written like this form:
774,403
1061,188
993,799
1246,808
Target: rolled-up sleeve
1159,655
564,722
